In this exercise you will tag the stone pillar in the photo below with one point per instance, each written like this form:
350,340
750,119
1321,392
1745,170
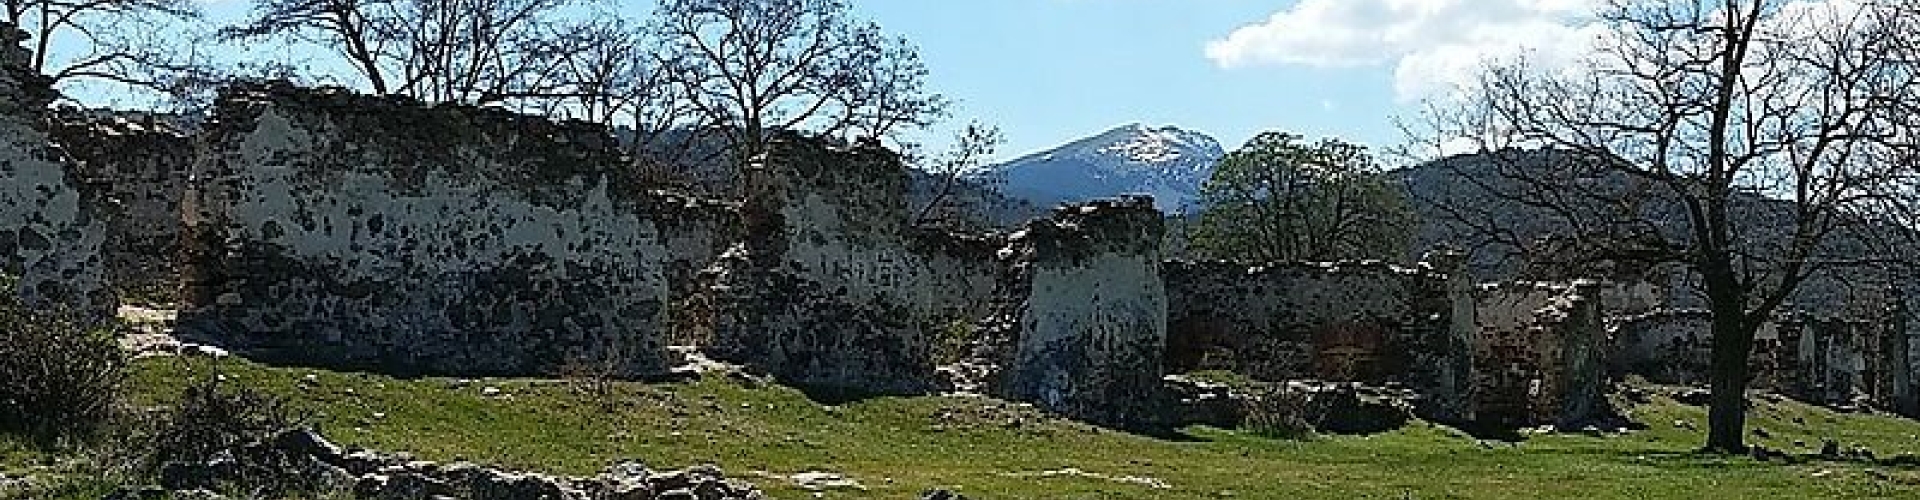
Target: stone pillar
1452,394
1896,351
1088,313
1583,337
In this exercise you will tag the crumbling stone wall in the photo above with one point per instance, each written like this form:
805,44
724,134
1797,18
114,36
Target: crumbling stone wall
138,163
1539,351
831,289
1666,346
329,228
1082,320
1831,359
50,234
1849,361
1370,322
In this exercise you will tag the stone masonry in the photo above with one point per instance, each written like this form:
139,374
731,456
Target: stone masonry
1084,313
138,163
1370,322
830,289
1538,353
50,232
329,228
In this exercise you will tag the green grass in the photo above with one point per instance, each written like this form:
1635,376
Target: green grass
986,449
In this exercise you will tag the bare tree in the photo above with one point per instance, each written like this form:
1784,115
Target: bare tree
754,66
469,51
111,40
1746,142
972,145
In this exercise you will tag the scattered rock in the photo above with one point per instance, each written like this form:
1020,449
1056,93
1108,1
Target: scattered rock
820,481
302,457
1693,396
1148,482
1830,449
490,391
941,494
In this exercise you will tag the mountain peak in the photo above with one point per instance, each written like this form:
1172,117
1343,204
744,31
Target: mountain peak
1166,161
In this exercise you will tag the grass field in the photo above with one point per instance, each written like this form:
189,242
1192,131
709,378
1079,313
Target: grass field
897,447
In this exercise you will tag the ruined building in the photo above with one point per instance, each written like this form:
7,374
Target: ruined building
322,227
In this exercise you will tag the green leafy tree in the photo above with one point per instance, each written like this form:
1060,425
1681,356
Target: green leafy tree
1281,199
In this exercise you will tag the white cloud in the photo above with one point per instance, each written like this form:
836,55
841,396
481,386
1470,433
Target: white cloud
1438,46
1433,44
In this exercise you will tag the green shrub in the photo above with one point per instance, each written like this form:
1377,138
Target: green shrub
1280,413
953,341
213,416
59,375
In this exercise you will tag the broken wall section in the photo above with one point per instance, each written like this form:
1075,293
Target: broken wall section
831,289
138,163
1849,362
1539,353
1082,322
1370,322
1840,360
335,229
50,232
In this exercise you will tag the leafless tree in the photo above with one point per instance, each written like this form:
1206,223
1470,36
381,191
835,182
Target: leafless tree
972,145
111,40
1743,141
753,66
468,51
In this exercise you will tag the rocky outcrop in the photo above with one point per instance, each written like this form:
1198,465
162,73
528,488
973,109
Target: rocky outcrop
50,232
301,460
831,289
342,230
1082,324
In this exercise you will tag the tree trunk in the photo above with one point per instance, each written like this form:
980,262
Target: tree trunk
1727,413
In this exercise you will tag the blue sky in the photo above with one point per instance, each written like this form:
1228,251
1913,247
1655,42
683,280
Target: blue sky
1050,71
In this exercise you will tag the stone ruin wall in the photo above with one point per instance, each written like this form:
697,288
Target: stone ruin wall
1368,322
1539,351
1840,360
830,289
139,164
329,228
1082,321
50,228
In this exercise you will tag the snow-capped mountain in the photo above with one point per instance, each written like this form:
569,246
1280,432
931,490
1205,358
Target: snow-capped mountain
1167,162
